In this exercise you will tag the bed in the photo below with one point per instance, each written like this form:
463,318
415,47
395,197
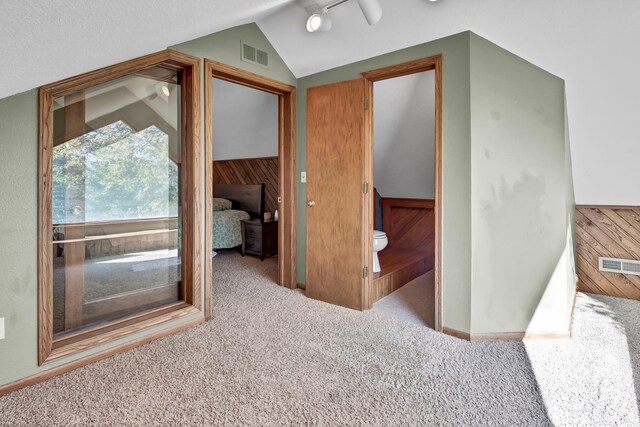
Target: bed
232,204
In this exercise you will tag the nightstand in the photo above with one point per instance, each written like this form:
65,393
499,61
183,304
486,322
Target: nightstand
259,238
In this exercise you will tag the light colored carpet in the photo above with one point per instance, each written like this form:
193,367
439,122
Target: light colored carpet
273,357
414,302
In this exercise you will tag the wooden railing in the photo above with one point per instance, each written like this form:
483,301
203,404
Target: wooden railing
104,238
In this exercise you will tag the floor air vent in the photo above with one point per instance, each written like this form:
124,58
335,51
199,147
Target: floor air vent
624,266
254,55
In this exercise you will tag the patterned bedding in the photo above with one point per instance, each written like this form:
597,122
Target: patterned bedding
227,232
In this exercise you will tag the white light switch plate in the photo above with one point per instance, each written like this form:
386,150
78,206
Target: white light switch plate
1,328
303,177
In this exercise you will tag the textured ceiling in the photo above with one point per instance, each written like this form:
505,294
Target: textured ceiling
47,40
592,44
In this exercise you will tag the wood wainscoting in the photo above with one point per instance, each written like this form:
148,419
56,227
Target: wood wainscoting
410,228
263,170
607,231
409,223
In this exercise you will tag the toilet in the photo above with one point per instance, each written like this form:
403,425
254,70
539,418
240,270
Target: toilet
379,243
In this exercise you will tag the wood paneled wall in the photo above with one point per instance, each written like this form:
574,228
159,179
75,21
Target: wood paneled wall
263,170
607,231
409,223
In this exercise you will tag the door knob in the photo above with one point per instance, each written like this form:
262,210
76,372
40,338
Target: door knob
311,203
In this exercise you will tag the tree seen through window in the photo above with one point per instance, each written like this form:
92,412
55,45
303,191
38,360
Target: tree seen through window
114,173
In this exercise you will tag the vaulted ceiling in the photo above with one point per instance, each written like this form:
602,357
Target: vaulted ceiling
43,41
592,44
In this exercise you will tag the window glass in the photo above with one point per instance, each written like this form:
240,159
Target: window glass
116,199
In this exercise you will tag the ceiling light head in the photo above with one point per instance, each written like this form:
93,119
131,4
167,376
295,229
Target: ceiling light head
163,91
319,22
371,10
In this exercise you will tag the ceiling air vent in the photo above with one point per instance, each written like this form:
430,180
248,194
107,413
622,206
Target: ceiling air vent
624,266
254,55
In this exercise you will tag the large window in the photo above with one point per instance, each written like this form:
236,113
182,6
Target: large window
119,235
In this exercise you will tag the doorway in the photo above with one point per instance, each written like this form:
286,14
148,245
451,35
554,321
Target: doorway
404,197
433,63
275,189
340,141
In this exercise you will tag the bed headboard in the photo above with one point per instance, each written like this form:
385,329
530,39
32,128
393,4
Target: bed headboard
245,197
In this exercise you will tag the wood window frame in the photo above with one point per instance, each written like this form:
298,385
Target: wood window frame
432,63
287,168
50,349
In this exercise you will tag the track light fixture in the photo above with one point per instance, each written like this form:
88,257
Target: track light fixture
320,20
371,10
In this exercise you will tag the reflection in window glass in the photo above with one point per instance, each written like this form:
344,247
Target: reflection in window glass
122,174
116,199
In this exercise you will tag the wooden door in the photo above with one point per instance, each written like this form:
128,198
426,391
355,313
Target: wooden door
336,234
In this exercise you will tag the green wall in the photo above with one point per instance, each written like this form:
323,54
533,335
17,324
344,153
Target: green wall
19,213
506,167
456,180
508,202
225,47
570,214
18,227
522,196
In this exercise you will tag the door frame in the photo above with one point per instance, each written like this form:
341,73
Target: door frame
286,169
432,63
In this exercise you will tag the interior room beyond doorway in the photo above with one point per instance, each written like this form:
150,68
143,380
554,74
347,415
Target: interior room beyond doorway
404,196
245,171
